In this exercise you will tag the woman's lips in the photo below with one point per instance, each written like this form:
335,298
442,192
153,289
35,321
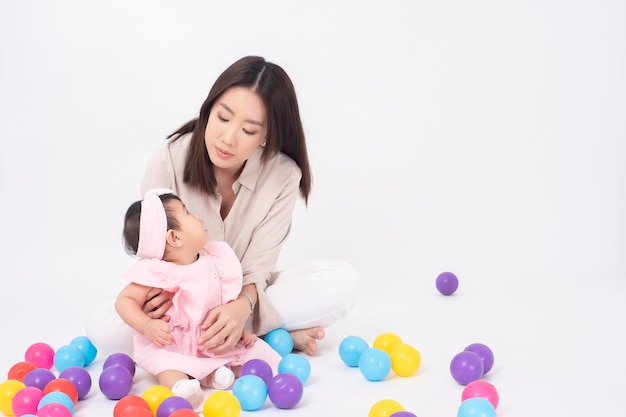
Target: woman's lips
222,153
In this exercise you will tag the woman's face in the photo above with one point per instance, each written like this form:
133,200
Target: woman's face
237,126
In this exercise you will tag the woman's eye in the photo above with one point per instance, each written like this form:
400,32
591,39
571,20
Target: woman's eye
222,118
247,132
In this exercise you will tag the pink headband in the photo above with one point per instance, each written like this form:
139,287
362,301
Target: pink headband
152,225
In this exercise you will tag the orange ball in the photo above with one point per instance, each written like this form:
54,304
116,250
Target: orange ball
63,385
20,370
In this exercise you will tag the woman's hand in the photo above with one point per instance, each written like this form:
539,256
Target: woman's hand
157,303
224,325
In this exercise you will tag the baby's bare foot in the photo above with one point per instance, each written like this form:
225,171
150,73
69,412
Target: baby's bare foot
305,340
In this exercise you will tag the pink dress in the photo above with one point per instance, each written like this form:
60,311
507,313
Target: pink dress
214,279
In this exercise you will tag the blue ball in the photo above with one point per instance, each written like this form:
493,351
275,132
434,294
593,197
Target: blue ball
295,364
280,340
251,392
59,398
86,347
350,350
476,407
374,364
67,356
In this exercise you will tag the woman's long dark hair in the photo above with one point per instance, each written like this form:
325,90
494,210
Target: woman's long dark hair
284,126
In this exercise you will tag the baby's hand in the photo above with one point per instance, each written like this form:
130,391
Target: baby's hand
247,338
159,332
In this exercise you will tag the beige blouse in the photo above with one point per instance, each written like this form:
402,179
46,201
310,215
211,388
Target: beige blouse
256,226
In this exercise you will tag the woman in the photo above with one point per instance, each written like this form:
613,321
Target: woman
241,165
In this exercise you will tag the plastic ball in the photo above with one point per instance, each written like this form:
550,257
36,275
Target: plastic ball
257,367
120,359
115,382
296,364
39,378
54,410
57,397
62,385
40,354
476,407
285,391
138,412
221,404
374,364
386,341
25,401
466,367
403,414
87,348
485,354
350,350
280,340
447,283
251,391
20,370
8,390
80,378
155,395
385,408
67,356
171,404
129,401
405,359
183,413
482,389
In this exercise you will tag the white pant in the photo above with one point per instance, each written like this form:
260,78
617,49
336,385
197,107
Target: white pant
316,293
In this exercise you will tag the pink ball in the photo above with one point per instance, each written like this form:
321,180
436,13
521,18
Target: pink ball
482,389
54,410
25,401
40,354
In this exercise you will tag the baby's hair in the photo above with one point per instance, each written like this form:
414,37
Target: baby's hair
130,233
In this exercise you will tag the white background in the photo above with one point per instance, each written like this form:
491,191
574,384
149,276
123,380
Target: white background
487,138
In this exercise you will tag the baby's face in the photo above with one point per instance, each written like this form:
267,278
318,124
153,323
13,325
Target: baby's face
192,227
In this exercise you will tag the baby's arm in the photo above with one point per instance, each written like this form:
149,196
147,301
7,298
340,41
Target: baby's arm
129,306
247,338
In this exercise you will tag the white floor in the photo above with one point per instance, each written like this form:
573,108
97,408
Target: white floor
558,347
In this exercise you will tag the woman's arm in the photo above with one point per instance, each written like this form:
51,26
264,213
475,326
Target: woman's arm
129,304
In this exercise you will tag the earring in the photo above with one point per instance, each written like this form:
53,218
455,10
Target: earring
263,144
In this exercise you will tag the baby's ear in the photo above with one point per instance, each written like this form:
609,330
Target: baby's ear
172,238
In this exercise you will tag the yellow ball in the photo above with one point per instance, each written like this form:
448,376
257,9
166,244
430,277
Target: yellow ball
387,341
155,395
8,389
222,404
405,359
385,408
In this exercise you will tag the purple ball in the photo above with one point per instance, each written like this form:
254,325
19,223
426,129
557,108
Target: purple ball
39,378
258,367
447,283
466,367
120,359
285,390
115,382
485,354
171,404
80,378
403,414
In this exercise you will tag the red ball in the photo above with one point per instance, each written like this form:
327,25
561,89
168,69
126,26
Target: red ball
138,412
20,370
130,401
63,385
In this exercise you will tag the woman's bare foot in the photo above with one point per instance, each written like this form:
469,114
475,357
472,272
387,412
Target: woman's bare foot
305,340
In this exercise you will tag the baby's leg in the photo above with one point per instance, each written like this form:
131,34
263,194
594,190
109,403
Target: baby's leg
182,386
222,378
